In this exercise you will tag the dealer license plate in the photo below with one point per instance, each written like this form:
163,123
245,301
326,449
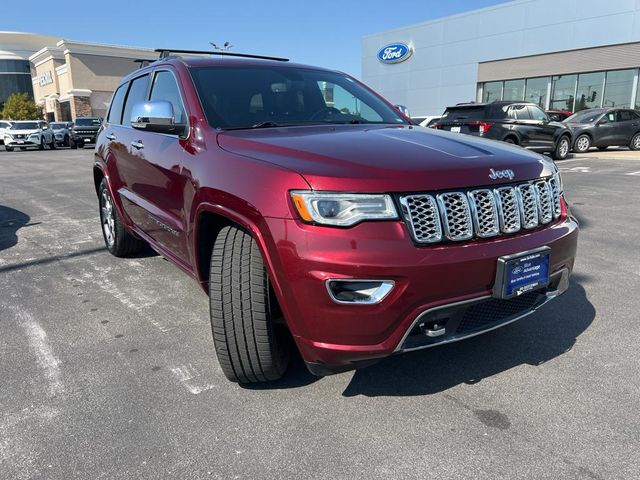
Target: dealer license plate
455,129
521,273
20,141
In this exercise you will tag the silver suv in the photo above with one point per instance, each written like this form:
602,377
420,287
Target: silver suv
29,133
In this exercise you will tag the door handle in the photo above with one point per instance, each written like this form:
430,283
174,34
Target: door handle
137,144
111,137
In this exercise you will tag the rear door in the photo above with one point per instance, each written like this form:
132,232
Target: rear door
523,125
626,126
544,131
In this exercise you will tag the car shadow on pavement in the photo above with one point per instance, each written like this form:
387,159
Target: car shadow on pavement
534,340
11,220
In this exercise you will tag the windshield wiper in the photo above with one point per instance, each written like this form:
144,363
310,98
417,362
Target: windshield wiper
266,124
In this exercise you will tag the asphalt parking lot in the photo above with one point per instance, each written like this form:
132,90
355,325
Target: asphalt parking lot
107,366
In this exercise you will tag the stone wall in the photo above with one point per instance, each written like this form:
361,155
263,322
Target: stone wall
81,107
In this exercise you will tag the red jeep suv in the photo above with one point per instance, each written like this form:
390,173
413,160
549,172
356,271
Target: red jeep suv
316,216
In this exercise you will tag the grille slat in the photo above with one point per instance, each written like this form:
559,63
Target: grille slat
482,213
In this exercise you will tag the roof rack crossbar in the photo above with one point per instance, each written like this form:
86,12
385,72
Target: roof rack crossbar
166,52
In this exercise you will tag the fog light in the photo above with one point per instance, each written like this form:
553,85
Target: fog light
367,292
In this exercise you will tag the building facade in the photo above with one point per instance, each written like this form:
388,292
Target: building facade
67,79
560,54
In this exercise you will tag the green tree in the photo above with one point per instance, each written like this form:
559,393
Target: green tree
20,106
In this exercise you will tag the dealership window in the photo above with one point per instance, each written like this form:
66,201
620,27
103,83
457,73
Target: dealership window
492,91
513,90
536,91
563,88
618,87
589,93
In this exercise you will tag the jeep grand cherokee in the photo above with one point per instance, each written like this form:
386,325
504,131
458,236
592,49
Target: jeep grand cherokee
316,216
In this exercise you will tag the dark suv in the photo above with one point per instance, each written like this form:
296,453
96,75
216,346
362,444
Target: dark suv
523,124
316,216
84,130
605,127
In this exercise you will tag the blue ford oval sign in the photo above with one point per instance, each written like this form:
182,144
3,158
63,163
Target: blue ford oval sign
394,53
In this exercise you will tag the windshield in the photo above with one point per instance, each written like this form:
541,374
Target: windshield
88,122
588,116
25,126
268,96
57,126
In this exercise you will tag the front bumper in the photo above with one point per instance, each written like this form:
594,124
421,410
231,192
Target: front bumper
21,143
336,337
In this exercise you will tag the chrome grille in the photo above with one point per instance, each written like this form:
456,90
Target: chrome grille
485,213
423,218
545,203
508,209
528,205
456,215
554,186
482,213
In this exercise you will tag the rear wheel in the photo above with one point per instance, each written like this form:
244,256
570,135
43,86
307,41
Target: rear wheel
582,144
41,146
116,237
66,141
634,144
511,140
52,145
252,342
562,148
74,145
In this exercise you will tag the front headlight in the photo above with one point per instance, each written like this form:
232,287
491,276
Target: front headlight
342,209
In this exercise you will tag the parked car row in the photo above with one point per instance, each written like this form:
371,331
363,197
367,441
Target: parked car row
556,132
39,134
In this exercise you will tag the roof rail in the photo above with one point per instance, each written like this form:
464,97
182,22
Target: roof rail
143,62
167,52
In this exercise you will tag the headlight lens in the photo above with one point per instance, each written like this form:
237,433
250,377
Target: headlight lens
342,209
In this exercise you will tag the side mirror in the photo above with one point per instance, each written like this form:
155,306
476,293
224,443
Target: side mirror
404,110
44,127
155,116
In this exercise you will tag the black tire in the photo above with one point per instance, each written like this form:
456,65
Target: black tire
41,146
562,148
52,145
582,143
511,141
74,145
66,141
8,149
602,149
252,343
634,144
121,243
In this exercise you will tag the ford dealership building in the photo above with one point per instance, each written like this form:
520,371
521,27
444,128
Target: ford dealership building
560,54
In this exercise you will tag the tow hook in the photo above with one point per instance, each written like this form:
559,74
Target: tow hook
433,329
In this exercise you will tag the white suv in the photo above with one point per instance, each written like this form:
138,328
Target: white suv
29,133
4,126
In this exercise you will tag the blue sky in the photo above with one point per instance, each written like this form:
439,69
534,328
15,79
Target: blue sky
327,33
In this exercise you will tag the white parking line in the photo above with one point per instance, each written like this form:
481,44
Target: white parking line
634,173
188,376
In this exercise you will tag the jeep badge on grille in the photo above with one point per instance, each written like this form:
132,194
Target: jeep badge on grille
495,174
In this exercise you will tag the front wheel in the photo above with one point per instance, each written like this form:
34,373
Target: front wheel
634,144
251,340
8,149
52,145
562,148
116,237
41,146
583,143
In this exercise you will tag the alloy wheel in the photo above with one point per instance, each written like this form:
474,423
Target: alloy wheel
108,221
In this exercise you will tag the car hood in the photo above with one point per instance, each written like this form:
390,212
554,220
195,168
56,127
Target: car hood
385,158
22,132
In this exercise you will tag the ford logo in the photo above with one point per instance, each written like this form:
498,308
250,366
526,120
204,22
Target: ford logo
394,53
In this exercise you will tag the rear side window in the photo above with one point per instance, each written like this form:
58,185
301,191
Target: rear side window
520,112
625,115
117,103
463,114
165,88
137,93
536,113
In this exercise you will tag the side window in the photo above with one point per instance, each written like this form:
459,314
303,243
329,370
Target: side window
537,114
165,88
137,93
623,116
609,117
521,112
117,103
